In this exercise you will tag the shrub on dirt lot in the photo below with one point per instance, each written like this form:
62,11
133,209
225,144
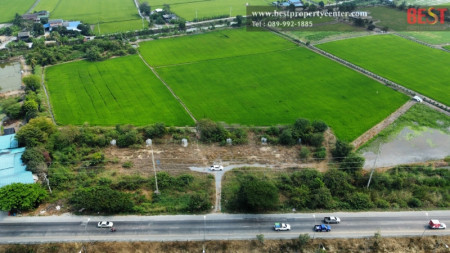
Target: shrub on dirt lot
273,130
316,139
198,202
257,195
127,139
184,180
352,162
34,159
360,201
286,137
238,135
341,150
21,196
60,178
414,202
304,153
320,154
130,183
157,130
101,199
211,131
319,126
127,165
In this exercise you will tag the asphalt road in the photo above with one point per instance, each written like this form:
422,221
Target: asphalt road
214,226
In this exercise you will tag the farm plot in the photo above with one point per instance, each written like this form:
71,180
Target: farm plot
434,37
408,63
9,8
110,12
117,91
278,87
209,46
190,10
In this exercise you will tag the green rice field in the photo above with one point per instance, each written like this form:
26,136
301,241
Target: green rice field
258,78
408,63
189,9
213,45
113,15
121,26
48,5
434,37
279,87
9,8
447,47
117,91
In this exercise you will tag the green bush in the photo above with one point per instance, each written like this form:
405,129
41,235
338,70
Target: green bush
36,132
256,195
320,153
286,137
360,201
101,199
273,130
127,139
319,126
211,131
127,165
157,130
34,159
60,178
414,202
316,139
304,153
32,82
130,183
341,150
381,203
22,197
303,240
198,202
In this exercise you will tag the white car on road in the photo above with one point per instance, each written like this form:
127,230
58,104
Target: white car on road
331,219
281,226
105,224
216,167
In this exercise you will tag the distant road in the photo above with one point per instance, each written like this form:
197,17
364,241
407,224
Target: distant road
214,227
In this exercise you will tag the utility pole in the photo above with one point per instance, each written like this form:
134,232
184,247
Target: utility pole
373,167
48,183
154,169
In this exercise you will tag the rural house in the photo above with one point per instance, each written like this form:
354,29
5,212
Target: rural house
12,170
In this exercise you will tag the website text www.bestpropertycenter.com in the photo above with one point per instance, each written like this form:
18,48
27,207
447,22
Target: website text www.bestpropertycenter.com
307,14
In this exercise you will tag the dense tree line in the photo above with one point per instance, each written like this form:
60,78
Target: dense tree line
65,50
336,189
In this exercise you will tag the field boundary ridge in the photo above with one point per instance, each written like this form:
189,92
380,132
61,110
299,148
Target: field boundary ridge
168,87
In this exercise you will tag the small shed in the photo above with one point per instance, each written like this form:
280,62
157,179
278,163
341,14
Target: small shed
32,17
23,35
8,131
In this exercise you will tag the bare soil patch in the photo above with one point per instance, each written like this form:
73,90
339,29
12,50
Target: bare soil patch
413,245
175,158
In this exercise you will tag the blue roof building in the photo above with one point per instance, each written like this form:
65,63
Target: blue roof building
12,170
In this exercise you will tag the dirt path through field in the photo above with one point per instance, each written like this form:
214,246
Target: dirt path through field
32,7
168,87
369,134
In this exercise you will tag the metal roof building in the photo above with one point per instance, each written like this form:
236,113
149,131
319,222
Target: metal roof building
12,170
